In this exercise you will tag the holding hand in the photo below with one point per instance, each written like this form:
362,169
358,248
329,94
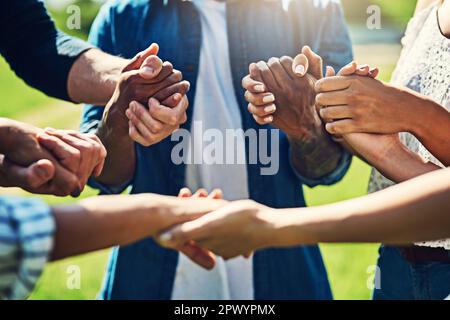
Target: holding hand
237,229
52,162
190,248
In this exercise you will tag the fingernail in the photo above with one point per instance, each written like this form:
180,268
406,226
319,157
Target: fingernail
148,70
270,108
165,237
268,119
269,98
43,173
300,69
259,88
50,129
177,97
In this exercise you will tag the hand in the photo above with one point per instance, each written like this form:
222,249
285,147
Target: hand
236,229
29,165
91,152
189,248
148,126
26,177
356,104
277,95
134,90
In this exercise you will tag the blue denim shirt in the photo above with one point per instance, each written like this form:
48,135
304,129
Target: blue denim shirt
257,30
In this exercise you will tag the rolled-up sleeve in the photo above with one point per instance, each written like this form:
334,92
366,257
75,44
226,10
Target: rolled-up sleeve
37,52
26,239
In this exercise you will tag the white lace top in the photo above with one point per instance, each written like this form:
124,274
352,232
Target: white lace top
424,66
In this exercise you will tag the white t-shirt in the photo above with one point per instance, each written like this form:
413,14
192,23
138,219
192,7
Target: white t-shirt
215,107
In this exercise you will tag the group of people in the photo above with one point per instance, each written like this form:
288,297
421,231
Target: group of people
240,70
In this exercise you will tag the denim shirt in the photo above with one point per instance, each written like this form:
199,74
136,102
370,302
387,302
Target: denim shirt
257,30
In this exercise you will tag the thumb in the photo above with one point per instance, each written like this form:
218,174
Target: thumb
138,59
151,67
31,177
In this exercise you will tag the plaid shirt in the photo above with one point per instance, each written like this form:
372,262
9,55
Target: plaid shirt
26,239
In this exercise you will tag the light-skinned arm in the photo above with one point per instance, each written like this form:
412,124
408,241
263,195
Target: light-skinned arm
107,221
417,210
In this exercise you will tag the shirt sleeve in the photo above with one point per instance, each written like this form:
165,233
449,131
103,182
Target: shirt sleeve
37,52
26,240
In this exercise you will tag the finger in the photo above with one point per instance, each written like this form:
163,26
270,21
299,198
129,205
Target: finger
374,72
363,70
333,98
342,127
185,193
31,177
255,73
336,83
267,76
69,156
100,150
175,77
173,100
193,230
300,65
143,120
88,149
151,67
252,85
330,114
262,111
263,120
348,70
138,59
135,135
142,129
200,193
166,95
216,194
281,76
330,72
315,62
169,116
259,99
200,256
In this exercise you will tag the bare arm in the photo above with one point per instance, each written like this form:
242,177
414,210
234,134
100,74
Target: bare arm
418,210
106,221
93,77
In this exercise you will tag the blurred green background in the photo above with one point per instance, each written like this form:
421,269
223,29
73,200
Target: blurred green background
348,265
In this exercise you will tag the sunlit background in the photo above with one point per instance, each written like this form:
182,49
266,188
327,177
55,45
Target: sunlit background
348,265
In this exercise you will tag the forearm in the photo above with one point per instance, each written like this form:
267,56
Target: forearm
431,125
398,163
317,156
418,210
102,222
120,161
93,77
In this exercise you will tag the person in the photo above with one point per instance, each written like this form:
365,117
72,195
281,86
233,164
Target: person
67,68
399,215
33,233
362,110
212,42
